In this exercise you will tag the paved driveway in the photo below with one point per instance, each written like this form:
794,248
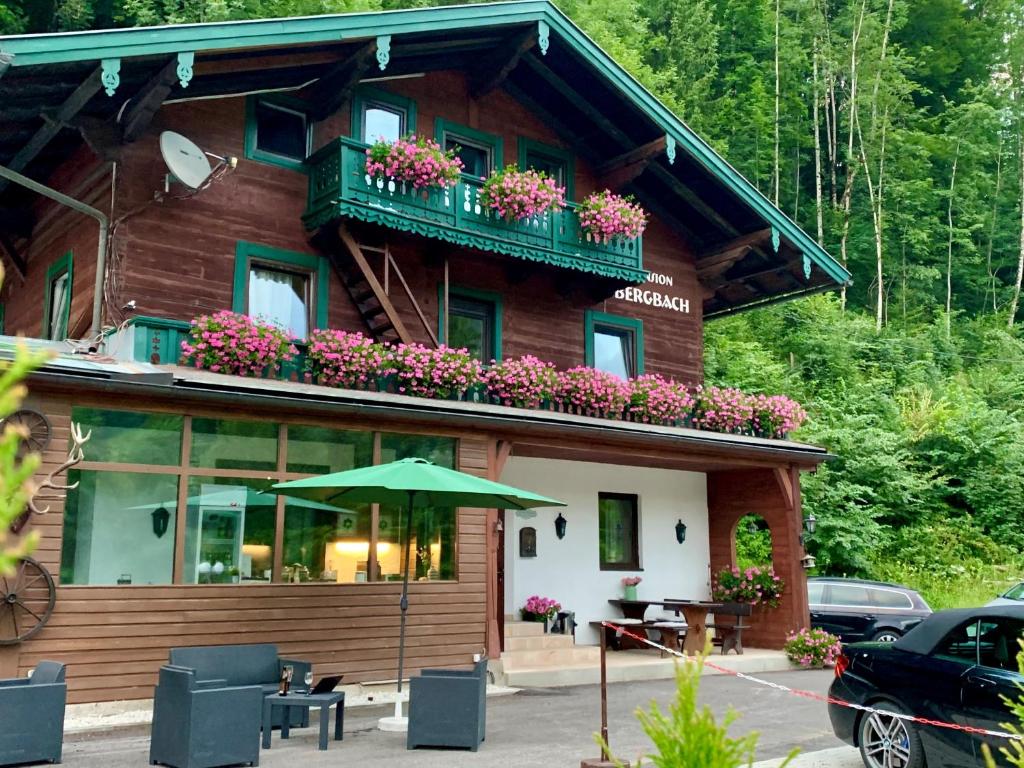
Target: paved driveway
538,727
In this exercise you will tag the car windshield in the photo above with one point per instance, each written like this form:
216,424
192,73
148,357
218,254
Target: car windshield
1015,593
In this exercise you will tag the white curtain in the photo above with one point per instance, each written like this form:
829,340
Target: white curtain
279,297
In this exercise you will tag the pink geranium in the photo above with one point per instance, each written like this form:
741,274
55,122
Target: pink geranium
344,359
813,648
227,342
423,371
657,400
415,160
543,607
605,215
514,195
755,585
523,382
592,392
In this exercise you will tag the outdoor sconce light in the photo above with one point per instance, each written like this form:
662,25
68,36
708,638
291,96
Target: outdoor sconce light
161,518
498,527
808,562
560,523
680,531
810,523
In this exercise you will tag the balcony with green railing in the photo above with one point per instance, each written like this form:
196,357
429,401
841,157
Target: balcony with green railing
339,187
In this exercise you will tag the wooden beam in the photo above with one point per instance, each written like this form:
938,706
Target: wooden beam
335,87
693,199
496,68
751,239
50,128
364,267
145,104
720,263
783,478
16,259
641,155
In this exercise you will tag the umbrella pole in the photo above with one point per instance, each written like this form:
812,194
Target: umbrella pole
404,606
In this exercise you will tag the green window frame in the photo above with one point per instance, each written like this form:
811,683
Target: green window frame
528,147
317,266
366,96
2,310
445,129
594,321
478,295
253,152
618,550
65,264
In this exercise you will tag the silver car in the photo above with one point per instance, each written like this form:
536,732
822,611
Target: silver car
1013,596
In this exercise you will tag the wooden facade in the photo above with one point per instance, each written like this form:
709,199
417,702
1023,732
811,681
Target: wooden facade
713,245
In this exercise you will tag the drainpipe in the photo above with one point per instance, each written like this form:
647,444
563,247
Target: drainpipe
88,210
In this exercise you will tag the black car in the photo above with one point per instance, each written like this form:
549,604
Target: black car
953,667
855,609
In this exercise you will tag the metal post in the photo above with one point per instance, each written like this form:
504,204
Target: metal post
404,605
604,693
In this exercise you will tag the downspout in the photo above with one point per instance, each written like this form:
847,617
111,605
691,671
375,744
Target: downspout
88,210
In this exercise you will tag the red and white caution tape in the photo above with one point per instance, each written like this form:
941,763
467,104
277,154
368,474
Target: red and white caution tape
816,696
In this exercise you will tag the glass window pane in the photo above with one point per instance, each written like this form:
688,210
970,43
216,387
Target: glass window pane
476,159
119,528
431,549
961,644
1016,593
395,446
887,598
471,325
319,450
618,520
321,544
223,444
280,131
381,123
554,168
613,351
849,594
280,297
130,437
229,537
998,642
814,591
60,295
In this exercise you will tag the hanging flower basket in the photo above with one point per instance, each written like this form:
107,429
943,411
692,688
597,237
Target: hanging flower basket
606,216
524,382
227,342
343,359
414,160
515,195
755,586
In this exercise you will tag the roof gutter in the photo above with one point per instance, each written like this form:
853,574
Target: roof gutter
6,59
88,210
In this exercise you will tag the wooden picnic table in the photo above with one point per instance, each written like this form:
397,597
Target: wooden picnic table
694,611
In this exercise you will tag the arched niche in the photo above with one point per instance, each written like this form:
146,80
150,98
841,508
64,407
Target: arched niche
752,541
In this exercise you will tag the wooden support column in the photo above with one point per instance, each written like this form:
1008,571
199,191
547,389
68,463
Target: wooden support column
497,454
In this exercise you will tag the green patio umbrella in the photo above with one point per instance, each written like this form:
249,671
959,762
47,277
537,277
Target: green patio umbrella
410,483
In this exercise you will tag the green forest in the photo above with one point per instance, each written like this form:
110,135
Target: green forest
893,132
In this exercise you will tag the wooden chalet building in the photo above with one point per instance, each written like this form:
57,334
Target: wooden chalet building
164,541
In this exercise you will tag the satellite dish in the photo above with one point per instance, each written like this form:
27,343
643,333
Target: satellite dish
186,161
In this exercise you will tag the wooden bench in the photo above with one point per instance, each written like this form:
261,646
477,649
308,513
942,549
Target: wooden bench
670,636
729,632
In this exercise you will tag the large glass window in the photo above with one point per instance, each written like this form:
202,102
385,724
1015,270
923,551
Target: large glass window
130,437
281,296
614,344
119,528
324,544
382,122
618,517
224,444
230,533
321,450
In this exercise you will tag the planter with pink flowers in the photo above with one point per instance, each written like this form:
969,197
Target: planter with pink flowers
412,161
228,342
422,371
514,195
590,392
605,216
523,382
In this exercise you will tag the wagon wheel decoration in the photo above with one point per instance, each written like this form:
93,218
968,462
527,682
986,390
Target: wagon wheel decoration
36,428
26,601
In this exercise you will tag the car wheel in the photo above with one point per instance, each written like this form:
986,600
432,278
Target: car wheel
886,636
887,741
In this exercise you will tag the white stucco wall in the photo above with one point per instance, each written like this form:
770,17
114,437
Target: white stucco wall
569,570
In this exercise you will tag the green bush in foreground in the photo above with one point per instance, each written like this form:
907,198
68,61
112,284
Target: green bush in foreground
688,735
1014,751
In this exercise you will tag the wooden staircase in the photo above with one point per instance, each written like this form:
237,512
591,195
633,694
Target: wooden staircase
349,262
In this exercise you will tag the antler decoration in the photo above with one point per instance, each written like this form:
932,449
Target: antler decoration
75,454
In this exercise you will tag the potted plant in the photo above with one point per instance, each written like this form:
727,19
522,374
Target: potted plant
776,415
722,409
756,585
515,195
605,216
629,584
656,400
423,371
813,648
414,160
343,359
524,382
227,342
592,392
539,608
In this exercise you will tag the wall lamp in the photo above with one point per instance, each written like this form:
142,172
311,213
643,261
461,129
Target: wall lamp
680,531
560,523
161,518
811,523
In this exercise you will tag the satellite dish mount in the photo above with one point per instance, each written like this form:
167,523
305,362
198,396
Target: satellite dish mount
189,165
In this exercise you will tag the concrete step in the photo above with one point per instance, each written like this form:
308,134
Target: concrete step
523,629
551,657
537,642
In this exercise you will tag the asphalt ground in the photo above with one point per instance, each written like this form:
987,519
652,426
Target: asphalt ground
536,727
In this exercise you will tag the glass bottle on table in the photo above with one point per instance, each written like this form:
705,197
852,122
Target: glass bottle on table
309,681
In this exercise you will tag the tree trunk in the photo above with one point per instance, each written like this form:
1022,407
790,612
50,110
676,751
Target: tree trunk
949,244
991,286
851,165
777,173
1020,258
817,152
